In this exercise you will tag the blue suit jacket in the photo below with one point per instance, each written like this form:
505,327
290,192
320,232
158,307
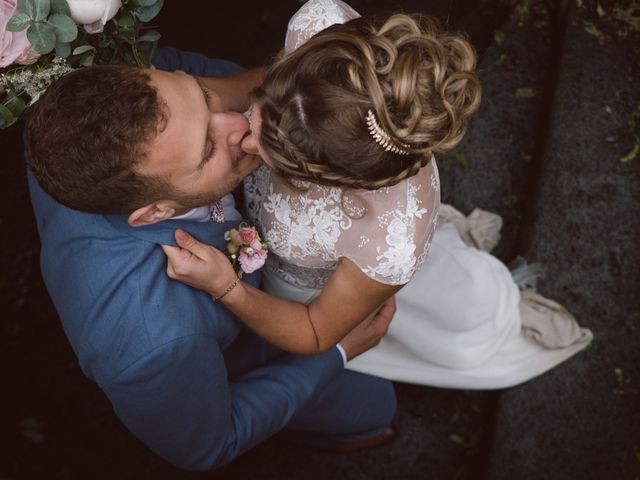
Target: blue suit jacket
180,371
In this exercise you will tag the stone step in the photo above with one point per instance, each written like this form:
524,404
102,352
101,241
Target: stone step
582,420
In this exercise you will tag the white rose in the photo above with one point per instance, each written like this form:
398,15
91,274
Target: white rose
93,14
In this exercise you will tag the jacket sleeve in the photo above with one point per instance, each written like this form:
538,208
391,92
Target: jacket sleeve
178,400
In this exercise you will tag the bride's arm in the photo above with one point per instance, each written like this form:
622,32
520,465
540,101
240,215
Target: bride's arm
348,297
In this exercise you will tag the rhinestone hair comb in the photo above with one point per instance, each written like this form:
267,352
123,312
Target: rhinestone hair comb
382,138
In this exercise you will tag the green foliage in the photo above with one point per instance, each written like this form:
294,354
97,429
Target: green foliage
462,159
41,10
61,7
499,37
28,7
11,108
51,30
148,13
66,29
150,36
42,36
525,92
63,50
83,49
19,22
6,117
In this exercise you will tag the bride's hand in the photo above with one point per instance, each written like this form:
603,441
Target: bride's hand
199,265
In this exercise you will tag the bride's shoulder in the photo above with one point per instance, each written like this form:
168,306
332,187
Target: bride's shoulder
425,184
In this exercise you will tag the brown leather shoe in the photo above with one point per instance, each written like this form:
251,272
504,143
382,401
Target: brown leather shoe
358,445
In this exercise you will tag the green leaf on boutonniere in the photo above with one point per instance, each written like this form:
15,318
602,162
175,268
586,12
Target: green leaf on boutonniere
43,7
19,22
66,29
61,7
42,36
146,14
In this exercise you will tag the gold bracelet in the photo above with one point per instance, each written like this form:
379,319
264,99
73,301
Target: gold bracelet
229,288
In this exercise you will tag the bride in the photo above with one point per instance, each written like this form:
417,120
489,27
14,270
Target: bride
348,123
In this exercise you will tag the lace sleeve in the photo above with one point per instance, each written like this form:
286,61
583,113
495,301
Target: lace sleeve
313,17
390,241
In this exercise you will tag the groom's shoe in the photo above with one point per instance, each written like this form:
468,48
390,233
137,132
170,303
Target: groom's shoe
358,445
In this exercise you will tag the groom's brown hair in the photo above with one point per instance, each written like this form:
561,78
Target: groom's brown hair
87,132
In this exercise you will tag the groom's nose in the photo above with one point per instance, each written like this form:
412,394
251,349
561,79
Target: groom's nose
235,125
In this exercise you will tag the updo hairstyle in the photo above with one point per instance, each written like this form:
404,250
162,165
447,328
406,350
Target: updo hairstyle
418,80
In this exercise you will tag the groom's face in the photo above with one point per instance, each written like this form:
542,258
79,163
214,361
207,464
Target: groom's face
198,149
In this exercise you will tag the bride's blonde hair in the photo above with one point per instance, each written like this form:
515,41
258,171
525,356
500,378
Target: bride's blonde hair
418,80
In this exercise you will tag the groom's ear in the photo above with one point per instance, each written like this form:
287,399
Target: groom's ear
152,213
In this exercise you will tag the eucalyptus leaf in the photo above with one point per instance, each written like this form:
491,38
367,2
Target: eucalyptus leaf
6,117
150,36
43,7
144,3
61,7
125,21
63,49
82,49
146,14
14,104
42,36
66,28
19,22
28,7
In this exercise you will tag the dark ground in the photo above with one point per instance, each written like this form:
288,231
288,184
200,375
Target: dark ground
561,85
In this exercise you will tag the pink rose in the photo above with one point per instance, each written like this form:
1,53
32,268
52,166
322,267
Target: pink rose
256,244
248,235
252,260
14,47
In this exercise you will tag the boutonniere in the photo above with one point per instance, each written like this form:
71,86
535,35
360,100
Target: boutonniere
245,250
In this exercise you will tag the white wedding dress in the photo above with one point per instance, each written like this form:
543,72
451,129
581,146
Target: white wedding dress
461,321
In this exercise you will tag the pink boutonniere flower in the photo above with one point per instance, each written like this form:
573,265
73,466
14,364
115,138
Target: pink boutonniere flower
246,251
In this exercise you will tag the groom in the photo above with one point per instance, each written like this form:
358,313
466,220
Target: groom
119,159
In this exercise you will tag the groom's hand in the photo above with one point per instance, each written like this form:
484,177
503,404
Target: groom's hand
370,331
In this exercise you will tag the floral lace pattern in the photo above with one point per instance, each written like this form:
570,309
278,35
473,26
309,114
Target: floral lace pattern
385,232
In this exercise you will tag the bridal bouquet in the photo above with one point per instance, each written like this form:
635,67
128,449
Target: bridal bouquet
245,250
41,40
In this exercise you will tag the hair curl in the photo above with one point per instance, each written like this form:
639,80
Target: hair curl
419,81
88,131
